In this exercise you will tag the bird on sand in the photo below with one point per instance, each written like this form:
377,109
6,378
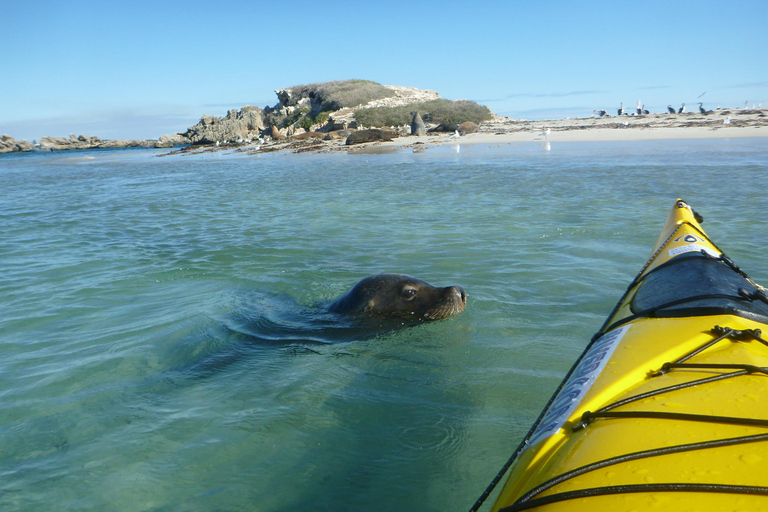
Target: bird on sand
682,109
670,109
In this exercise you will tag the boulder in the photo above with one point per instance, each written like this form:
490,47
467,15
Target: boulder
372,135
10,145
245,124
167,141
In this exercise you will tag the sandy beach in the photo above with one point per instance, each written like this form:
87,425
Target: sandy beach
726,123
719,124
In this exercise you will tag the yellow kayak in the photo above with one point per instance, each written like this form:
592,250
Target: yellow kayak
667,408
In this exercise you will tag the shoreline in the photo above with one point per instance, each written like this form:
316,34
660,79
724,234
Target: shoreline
722,124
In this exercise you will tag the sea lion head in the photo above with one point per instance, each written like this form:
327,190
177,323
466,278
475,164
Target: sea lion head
401,295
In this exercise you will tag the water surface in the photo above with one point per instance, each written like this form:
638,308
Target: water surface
164,345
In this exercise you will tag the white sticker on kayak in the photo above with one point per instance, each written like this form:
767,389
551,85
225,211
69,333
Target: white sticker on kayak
578,384
692,248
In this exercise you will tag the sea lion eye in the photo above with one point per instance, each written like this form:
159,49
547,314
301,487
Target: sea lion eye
408,293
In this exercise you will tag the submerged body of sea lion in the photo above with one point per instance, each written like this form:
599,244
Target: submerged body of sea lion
403,296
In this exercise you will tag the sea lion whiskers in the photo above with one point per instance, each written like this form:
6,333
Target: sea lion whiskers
455,302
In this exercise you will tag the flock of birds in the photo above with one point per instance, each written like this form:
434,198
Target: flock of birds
640,110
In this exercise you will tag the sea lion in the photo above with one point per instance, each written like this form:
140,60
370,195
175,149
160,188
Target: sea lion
370,135
417,125
403,296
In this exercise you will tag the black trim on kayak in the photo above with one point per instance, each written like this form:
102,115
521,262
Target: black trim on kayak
589,416
644,454
528,500
638,488
745,335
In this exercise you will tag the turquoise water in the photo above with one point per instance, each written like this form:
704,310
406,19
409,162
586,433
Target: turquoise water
164,345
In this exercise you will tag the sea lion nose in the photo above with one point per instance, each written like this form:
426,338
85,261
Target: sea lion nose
458,292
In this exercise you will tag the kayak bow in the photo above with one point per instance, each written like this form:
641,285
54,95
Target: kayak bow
668,405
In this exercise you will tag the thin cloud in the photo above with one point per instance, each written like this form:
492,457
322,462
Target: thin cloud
651,87
753,85
553,94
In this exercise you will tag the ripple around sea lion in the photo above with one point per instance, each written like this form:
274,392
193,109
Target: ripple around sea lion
278,324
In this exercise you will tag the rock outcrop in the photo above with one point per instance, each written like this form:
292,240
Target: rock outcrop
91,142
241,125
10,145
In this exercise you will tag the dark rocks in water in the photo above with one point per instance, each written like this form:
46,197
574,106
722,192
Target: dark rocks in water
10,145
371,135
417,125
93,142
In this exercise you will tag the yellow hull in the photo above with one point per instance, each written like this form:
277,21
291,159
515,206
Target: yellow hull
668,406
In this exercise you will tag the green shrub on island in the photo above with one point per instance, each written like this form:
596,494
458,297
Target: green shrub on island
440,111
342,93
308,121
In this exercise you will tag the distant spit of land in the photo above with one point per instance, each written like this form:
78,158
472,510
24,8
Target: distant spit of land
363,116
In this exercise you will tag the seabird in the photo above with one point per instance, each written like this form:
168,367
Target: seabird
701,108
455,135
645,111
620,112
727,120
670,109
599,113
682,109
639,108
546,132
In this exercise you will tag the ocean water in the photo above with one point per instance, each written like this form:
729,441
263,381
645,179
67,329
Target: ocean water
164,344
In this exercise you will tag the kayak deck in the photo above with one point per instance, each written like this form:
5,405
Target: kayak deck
668,405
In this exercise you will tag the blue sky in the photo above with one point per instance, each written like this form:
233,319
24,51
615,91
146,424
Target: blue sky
142,69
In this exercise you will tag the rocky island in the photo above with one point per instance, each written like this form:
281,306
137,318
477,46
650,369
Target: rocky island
330,110
349,114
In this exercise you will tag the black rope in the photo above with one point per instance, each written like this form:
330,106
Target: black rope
676,387
638,488
715,366
589,416
645,454
726,332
